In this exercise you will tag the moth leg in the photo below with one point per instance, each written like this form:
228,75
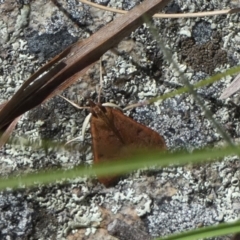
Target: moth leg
85,123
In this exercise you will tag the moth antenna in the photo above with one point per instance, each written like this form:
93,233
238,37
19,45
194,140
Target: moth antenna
108,104
72,103
139,104
85,123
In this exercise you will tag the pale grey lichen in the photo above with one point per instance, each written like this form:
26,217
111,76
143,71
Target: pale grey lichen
180,197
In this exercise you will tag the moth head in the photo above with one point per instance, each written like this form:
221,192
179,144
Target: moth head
97,110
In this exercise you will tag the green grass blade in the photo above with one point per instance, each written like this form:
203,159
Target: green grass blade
140,159
199,84
206,232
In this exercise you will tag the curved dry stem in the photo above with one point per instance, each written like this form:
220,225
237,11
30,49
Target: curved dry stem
166,15
72,103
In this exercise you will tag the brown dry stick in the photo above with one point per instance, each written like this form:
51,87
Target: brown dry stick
64,69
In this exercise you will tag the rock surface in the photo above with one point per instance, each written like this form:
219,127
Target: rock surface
157,202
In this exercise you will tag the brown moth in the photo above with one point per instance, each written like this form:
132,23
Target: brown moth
115,135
